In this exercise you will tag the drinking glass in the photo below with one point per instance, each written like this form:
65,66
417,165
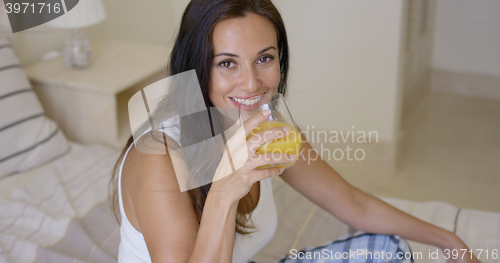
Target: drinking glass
280,116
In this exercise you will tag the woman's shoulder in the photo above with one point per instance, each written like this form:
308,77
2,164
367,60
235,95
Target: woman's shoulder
150,160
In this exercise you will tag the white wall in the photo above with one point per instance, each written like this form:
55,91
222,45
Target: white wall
345,63
142,21
467,36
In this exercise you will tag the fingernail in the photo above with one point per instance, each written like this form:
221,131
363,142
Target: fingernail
286,130
266,113
291,157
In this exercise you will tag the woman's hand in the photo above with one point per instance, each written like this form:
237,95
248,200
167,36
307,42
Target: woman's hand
235,176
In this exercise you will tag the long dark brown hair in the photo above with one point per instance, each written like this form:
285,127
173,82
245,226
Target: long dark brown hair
193,50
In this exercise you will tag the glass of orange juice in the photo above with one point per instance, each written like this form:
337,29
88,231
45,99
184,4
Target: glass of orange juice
280,116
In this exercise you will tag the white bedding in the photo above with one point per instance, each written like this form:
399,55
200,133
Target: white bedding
480,230
60,213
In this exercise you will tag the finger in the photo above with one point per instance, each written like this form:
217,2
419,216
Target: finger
255,121
266,136
258,160
266,173
270,158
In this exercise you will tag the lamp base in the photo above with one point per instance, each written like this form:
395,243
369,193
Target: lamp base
77,51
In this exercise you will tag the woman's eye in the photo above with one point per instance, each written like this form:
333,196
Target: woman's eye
265,59
226,63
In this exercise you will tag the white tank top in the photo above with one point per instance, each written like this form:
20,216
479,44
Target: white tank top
264,217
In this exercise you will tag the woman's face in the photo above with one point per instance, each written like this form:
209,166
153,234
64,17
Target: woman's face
246,63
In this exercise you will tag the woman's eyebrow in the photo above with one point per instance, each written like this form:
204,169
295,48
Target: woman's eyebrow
234,55
226,54
266,49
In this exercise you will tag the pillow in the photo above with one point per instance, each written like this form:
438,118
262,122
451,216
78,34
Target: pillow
27,137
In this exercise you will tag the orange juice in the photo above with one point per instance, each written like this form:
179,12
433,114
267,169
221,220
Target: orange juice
289,144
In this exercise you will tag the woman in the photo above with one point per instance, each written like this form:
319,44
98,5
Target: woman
239,50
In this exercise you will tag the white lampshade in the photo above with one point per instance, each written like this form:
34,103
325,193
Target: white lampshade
85,13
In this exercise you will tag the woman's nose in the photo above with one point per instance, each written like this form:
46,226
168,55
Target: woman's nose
251,81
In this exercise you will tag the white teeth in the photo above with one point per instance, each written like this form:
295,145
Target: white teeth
238,100
247,102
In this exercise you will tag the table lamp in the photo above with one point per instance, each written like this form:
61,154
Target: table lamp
77,50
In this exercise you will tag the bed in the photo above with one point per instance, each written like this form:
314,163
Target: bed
54,205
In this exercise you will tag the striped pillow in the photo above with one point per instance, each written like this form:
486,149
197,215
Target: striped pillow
27,137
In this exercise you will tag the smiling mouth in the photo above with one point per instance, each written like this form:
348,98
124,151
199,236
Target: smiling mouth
249,101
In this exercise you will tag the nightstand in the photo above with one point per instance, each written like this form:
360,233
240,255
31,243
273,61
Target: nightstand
91,105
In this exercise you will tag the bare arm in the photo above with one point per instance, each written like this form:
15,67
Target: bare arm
321,184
